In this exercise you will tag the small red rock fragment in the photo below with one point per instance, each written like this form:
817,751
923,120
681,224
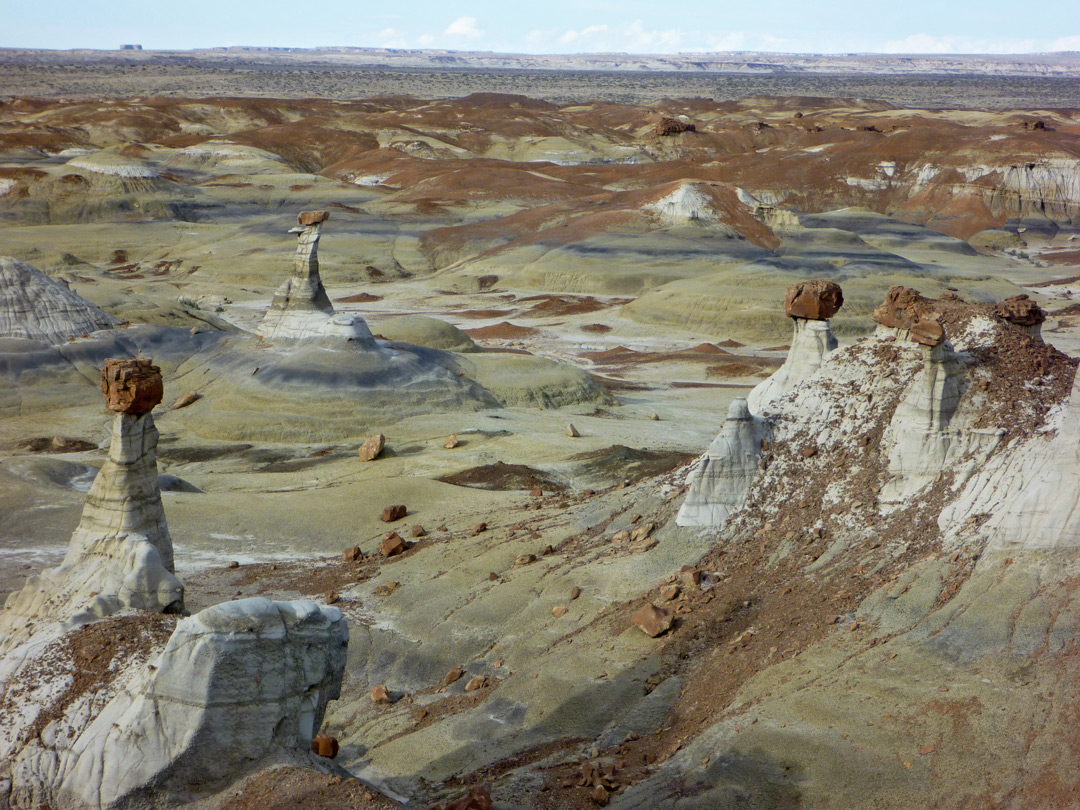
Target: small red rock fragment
186,399
380,694
558,612
418,531
525,559
575,592
928,749
536,492
372,447
477,682
392,545
478,798
325,746
451,443
479,528
453,675
352,554
392,513
652,621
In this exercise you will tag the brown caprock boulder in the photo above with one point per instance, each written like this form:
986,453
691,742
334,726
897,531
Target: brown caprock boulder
131,386
306,218
1020,311
814,300
904,308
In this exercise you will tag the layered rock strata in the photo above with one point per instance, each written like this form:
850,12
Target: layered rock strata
121,554
301,308
35,307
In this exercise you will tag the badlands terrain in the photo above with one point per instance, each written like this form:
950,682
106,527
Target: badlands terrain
734,444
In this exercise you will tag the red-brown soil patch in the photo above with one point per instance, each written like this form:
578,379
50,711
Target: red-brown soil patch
558,305
484,313
290,787
503,331
55,444
359,298
630,463
503,477
1061,256
88,654
1055,282
596,328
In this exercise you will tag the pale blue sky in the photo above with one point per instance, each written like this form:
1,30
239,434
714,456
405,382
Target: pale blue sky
555,26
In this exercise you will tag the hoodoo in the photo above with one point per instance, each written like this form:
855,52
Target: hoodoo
722,476
107,701
301,308
809,305
121,554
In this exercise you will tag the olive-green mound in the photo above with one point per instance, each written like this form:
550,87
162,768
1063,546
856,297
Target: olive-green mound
430,333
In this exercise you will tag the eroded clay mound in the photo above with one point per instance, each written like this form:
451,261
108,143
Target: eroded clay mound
35,307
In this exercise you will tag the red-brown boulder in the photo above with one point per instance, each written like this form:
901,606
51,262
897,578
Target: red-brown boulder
131,386
392,545
392,513
904,308
325,746
312,217
928,333
1020,310
815,300
372,447
673,126
652,621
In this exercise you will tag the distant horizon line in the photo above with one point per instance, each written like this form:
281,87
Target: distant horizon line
138,48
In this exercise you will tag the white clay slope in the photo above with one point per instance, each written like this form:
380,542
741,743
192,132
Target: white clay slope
34,306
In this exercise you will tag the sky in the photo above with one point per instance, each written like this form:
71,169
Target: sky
554,26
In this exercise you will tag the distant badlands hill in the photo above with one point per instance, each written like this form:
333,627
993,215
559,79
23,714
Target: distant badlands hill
1063,64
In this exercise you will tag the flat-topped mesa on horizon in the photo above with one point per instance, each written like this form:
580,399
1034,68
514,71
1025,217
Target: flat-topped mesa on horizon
301,308
809,304
121,554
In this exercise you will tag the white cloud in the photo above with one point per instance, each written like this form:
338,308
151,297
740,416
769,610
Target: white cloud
425,40
387,33
735,41
464,27
927,43
638,37
1066,44
537,37
589,32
